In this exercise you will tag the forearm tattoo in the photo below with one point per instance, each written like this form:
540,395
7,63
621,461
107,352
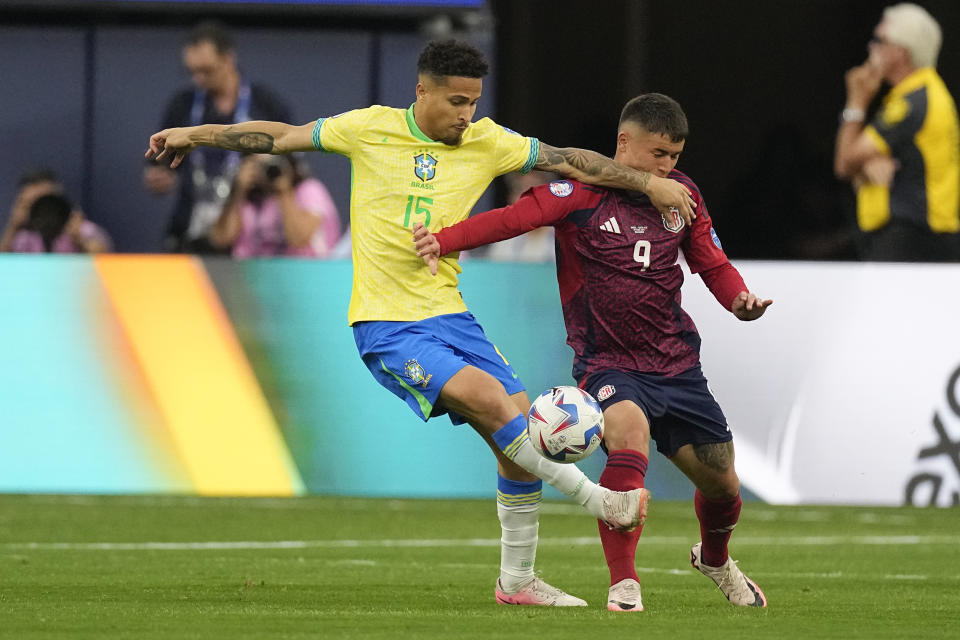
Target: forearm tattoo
602,169
718,457
248,142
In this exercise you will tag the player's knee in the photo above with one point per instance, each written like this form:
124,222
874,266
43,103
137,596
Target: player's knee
485,403
635,439
512,471
720,487
625,429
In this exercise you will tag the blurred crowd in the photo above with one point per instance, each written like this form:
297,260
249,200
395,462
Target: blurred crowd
897,155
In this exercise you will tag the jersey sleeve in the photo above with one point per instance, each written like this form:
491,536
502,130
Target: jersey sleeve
91,231
898,122
514,152
701,248
312,196
705,256
725,283
541,206
339,134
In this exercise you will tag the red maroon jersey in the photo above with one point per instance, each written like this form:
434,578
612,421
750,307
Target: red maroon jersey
617,266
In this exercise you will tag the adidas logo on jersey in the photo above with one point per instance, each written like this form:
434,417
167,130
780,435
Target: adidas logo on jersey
611,226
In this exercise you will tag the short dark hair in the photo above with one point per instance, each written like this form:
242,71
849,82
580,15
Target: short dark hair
657,113
452,58
214,32
36,176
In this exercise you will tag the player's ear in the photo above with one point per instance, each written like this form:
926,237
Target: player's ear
622,139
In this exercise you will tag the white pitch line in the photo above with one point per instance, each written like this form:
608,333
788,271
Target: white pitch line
807,575
223,545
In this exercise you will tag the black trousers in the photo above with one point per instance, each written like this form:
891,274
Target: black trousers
900,241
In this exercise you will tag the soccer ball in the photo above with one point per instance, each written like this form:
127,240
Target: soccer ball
565,424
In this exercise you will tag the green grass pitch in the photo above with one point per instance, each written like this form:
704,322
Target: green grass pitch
181,567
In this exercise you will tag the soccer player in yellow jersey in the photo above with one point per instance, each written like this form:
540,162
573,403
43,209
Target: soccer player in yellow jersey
429,164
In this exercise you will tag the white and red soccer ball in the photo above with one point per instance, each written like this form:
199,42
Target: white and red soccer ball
565,424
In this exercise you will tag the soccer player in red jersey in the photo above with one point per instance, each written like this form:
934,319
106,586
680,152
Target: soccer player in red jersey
635,349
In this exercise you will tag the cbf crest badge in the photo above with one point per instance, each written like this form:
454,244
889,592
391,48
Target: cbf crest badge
415,373
425,166
672,221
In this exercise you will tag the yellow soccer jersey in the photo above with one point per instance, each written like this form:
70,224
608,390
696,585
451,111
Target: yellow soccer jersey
401,177
918,126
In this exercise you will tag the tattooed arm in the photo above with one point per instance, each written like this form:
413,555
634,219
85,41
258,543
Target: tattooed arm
594,168
257,136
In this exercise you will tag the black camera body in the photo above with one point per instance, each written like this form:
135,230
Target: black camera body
273,170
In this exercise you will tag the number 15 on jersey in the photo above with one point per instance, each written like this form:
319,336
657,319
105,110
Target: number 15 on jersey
417,207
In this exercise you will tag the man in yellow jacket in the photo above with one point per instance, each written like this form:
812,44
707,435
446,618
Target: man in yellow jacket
904,164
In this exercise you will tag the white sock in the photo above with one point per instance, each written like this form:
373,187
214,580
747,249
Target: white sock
518,544
566,478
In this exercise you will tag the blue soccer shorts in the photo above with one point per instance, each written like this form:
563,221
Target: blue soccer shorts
680,409
413,360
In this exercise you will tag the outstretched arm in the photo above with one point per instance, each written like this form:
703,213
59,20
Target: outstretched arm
258,136
535,208
595,168
728,287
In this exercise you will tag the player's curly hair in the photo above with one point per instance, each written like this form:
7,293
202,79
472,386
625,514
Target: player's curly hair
657,113
452,58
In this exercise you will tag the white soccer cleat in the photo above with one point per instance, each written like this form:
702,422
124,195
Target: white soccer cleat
625,596
739,589
538,592
625,510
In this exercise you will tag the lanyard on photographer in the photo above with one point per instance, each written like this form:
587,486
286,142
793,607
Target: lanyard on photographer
221,179
211,188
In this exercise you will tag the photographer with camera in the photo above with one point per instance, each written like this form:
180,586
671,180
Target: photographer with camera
220,92
276,209
44,220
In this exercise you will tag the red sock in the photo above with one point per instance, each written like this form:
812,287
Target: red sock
717,520
624,471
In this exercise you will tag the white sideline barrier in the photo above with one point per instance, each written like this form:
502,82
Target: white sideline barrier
846,390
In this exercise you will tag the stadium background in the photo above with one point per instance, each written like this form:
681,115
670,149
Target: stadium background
88,408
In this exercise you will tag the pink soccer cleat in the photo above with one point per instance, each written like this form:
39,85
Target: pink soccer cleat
539,593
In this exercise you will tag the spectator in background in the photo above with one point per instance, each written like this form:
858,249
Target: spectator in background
275,209
905,164
222,95
534,246
43,220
